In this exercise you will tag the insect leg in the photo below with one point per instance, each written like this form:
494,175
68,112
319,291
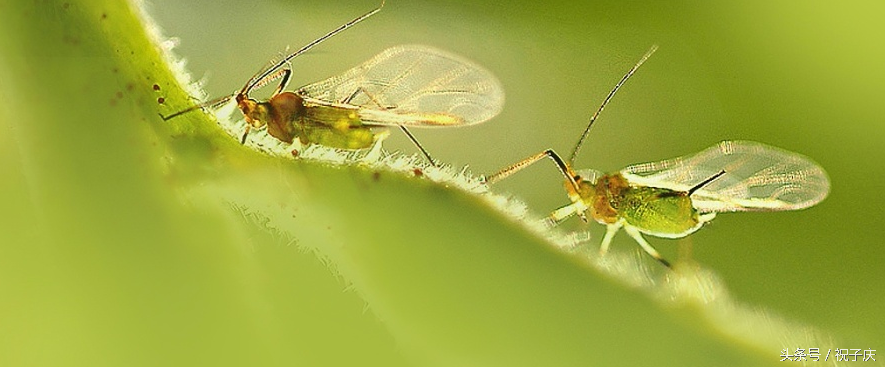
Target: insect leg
706,217
633,232
403,128
245,134
610,231
283,74
374,153
420,147
570,178
563,213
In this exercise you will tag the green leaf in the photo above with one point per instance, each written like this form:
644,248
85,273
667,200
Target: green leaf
129,240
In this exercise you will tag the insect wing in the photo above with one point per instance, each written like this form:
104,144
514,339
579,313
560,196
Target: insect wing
758,177
413,86
589,174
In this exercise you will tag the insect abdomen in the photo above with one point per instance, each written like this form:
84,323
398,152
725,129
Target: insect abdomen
335,127
659,212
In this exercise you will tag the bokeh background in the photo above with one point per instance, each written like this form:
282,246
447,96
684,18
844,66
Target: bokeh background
802,75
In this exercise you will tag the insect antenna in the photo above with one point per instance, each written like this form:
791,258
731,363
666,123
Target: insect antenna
518,166
258,78
705,182
281,74
611,94
211,104
263,77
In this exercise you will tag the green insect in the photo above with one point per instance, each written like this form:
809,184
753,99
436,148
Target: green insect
675,197
403,86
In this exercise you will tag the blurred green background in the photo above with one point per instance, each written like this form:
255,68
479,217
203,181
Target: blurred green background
116,247
802,75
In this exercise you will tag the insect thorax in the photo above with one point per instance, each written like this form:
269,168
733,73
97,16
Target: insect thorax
604,196
277,114
284,109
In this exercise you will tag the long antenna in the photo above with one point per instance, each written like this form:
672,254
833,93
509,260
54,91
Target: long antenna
611,94
258,77
210,104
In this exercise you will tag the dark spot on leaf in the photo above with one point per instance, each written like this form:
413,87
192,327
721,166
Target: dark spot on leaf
130,86
418,172
156,87
376,176
161,100
119,94
71,40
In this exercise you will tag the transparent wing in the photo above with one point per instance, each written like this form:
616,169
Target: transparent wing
757,177
414,85
589,174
